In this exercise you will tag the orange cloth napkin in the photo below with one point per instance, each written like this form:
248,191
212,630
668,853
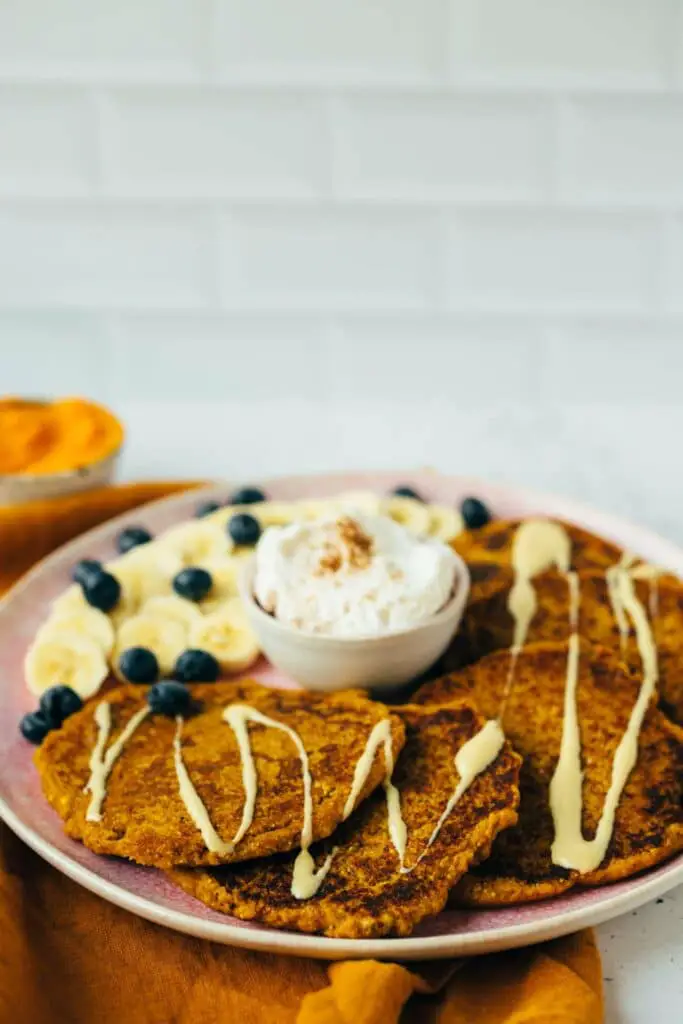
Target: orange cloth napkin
67,956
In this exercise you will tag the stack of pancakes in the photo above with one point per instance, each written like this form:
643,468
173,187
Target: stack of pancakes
494,847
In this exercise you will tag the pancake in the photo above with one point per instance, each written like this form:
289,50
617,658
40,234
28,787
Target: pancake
648,822
365,895
143,815
488,553
488,625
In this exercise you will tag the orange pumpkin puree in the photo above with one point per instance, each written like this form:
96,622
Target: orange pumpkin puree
55,437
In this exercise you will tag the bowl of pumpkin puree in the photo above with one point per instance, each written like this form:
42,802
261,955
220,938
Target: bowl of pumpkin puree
50,448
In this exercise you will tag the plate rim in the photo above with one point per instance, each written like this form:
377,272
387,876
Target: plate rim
658,880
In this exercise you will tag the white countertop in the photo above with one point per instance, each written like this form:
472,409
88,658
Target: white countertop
600,454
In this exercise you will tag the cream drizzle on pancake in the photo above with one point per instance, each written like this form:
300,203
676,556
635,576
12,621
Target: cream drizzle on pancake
646,571
380,736
570,849
535,549
574,600
193,802
614,595
306,880
538,545
473,758
101,763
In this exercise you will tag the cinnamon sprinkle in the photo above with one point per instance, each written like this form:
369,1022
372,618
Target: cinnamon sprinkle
330,560
355,548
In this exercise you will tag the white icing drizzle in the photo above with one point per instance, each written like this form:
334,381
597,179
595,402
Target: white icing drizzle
614,595
193,803
380,736
474,757
101,763
647,571
305,879
395,823
618,610
574,600
538,544
570,849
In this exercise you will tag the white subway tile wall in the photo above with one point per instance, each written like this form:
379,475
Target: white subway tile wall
365,189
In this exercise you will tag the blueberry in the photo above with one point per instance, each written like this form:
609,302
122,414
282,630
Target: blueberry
244,529
139,665
102,591
131,538
474,513
169,697
407,492
246,496
193,583
33,727
206,508
57,703
195,666
85,570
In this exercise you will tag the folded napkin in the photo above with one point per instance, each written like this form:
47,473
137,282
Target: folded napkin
70,957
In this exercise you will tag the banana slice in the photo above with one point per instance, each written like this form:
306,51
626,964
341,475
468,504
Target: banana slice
412,514
197,541
174,609
323,508
227,635
225,574
445,522
274,513
240,555
71,659
72,601
268,513
359,501
88,622
145,572
222,516
152,555
69,603
166,637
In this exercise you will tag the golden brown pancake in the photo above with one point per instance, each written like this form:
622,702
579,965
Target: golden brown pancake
144,817
364,894
488,625
648,822
488,553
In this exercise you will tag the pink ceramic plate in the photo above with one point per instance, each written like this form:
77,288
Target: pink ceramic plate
148,893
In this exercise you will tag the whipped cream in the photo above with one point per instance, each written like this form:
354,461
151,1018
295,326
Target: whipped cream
352,575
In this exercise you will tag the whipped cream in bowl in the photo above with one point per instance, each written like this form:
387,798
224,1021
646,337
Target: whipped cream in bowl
353,600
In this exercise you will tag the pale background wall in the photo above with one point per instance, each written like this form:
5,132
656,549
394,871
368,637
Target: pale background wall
354,233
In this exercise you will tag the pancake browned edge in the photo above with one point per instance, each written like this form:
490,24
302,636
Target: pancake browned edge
648,823
488,553
489,626
365,895
144,817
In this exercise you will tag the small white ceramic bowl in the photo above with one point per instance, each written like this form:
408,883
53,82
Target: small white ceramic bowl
320,662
